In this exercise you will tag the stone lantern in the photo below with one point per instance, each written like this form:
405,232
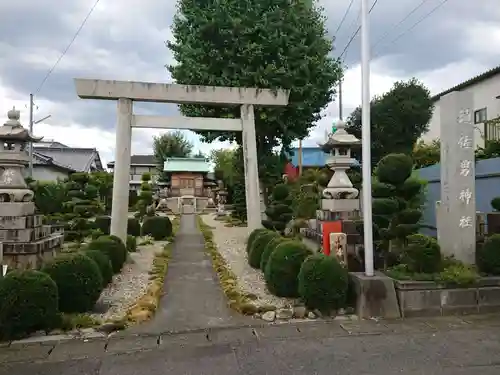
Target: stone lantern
24,241
340,198
340,195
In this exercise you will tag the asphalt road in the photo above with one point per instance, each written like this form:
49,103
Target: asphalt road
444,347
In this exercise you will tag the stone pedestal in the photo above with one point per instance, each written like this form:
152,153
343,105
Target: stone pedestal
375,296
25,243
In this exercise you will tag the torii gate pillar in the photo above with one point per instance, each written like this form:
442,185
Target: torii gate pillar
125,92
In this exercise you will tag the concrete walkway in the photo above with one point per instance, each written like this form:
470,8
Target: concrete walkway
434,346
192,296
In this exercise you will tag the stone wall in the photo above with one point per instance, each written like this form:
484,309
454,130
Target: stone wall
426,298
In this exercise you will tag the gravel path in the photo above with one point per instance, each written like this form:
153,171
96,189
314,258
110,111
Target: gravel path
130,284
231,243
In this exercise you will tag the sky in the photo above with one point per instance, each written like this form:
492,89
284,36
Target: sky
125,40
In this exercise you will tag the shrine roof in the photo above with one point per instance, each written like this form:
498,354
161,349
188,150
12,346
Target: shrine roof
186,165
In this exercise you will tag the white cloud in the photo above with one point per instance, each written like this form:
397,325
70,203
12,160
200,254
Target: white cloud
128,25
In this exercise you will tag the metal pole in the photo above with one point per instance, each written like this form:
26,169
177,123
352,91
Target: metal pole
300,157
30,169
366,139
340,100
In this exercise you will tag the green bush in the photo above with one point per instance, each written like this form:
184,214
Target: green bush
115,250
279,211
283,267
103,223
422,254
495,203
131,244
28,303
323,283
78,280
133,227
104,264
488,257
251,238
258,247
158,227
268,250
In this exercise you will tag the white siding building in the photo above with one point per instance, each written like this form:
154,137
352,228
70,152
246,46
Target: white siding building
140,164
486,92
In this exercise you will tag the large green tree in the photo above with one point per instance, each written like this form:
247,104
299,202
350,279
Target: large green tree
398,119
171,145
257,43
223,160
426,154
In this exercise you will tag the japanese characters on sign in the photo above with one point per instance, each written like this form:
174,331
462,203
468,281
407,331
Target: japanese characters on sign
465,143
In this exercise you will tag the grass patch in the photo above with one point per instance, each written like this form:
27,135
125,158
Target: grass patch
237,300
70,322
146,306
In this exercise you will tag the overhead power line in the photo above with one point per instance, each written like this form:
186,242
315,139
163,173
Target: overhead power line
51,70
408,15
422,19
344,17
356,32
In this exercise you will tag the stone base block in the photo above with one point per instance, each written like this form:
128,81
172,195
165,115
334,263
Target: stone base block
50,248
24,235
340,205
11,209
375,296
20,222
40,246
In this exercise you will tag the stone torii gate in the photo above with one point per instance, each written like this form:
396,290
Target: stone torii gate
126,92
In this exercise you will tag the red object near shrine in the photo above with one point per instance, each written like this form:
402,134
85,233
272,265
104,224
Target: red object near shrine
329,227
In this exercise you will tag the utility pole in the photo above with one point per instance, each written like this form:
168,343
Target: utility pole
340,99
366,139
300,157
30,169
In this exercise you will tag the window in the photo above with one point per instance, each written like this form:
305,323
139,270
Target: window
480,116
187,183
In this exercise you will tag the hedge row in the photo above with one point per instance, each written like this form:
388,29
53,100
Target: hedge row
70,283
292,270
158,227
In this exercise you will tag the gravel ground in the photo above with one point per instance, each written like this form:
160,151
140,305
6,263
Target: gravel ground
231,245
130,284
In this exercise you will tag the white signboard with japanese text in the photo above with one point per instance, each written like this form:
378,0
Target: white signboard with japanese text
457,210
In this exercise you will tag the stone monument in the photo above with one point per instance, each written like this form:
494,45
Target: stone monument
456,211
24,242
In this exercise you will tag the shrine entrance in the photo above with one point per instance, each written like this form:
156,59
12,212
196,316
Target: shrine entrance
126,92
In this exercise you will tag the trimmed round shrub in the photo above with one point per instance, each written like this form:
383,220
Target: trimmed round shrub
323,283
116,239
394,169
103,223
488,256
283,267
422,254
258,246
268,250
78,280
158,227
495,203
133,227
251,238
131,244
115,250
28,303
104,264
